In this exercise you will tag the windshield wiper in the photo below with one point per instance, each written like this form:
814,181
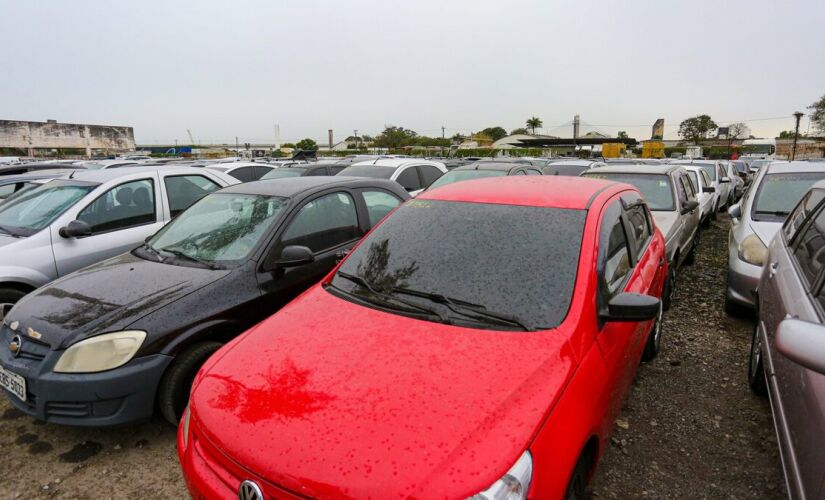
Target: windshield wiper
358,280
183,256
151,249
11,233
780,213
465,308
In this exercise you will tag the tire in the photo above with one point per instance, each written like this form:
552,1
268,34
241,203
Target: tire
669,289
173,394
577,487
756,366
706,221
10,295
654,338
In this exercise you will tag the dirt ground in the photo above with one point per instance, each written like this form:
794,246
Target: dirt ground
690,428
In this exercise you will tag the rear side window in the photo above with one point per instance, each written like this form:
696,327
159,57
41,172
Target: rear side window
614,253
320,171
810,248
244,174
323,223
379,204
409,179
184,190
801,212
639,226
260,171
429,173
127,205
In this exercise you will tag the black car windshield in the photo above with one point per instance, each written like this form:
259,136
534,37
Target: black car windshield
373,171
465,175
779,193
655,188
283,173
220,228
562,169
495,257
28,212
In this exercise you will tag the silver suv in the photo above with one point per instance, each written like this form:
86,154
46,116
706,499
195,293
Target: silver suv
757,217
787,359
70,222
671,198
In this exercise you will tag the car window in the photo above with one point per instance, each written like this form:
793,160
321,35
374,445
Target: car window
261,170
323,223
335,169
779,193
429,173
379,204
10,189
706,182
126,205
694,180
29,211
681,194
614,253
721,172
797,218
409,179
690,190
639,226
184,190
810,248
243,174
319,171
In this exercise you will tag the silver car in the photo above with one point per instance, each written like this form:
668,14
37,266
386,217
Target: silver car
719,178
672,200
88,216
757,217
787,359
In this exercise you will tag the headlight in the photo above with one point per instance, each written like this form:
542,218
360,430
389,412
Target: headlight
186,415
513,485
100,353
752,250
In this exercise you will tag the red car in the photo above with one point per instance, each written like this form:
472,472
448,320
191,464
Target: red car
479,341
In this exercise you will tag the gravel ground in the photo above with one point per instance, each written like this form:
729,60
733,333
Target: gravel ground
690,428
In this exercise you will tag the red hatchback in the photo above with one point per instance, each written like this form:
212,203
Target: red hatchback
479,343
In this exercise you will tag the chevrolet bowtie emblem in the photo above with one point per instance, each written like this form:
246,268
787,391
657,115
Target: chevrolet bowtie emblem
33,333
14,345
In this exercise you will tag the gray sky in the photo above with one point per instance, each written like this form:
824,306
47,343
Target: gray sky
235,68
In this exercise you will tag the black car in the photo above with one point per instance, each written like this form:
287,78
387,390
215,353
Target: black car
109,343
315,169
481,169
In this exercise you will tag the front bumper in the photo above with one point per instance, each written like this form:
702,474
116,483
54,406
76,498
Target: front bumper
114,397
743,278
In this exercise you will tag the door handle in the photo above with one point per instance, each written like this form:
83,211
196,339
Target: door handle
772,267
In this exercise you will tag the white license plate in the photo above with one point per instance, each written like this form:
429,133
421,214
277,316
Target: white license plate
13,383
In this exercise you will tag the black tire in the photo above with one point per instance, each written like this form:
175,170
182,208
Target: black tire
706,222
173,393
577,487
654,338
756,367
10,295
669,289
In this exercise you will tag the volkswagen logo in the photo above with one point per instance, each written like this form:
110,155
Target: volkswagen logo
250,491
16,345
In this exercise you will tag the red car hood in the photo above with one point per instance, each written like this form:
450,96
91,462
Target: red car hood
331,399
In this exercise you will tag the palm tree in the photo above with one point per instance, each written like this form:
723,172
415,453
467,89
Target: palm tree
534,123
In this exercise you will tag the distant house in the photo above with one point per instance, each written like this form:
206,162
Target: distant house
517,140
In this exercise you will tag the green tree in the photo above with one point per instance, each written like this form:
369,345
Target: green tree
817,115
458,138
788,134
519,131
494,133
696,128
288,145
307,145
395,137
533,123
622,134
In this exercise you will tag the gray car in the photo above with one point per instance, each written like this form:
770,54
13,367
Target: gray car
86,217
757,218
787,360
670,195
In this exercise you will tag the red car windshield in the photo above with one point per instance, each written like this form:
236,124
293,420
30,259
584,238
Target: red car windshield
481,265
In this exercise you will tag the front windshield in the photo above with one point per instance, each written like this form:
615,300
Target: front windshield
489,256
465,175
25,213
779,193
655,188
372,171
220,227
283,173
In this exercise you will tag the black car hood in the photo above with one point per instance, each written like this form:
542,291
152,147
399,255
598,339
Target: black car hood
105,297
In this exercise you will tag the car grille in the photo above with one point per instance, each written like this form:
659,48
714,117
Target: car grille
32,349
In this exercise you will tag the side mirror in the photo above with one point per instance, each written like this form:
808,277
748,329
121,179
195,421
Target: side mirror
735,211
75,229
709,189
689,206
803,343
724,180
632,307
295,255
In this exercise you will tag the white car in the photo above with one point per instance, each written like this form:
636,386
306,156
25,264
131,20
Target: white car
704,193
719,180
413,174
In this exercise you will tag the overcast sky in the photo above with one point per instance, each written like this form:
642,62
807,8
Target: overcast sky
236,68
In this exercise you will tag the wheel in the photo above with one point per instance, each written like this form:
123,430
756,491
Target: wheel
706,221
10,295
669,289
756,367
690,258
654,338
577,487
173,394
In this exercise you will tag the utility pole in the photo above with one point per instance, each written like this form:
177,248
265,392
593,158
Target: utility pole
356,138
237,149
798,115
442,132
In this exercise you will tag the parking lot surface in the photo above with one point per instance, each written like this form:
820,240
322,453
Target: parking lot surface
690,428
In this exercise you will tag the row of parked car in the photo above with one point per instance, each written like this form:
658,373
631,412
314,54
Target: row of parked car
337,335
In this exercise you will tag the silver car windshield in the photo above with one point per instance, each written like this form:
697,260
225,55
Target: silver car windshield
655,188
779,193
29,212
221,227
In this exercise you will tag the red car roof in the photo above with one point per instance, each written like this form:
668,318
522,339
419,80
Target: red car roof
551,191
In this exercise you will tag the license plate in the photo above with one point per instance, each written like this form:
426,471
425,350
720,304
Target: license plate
13,382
